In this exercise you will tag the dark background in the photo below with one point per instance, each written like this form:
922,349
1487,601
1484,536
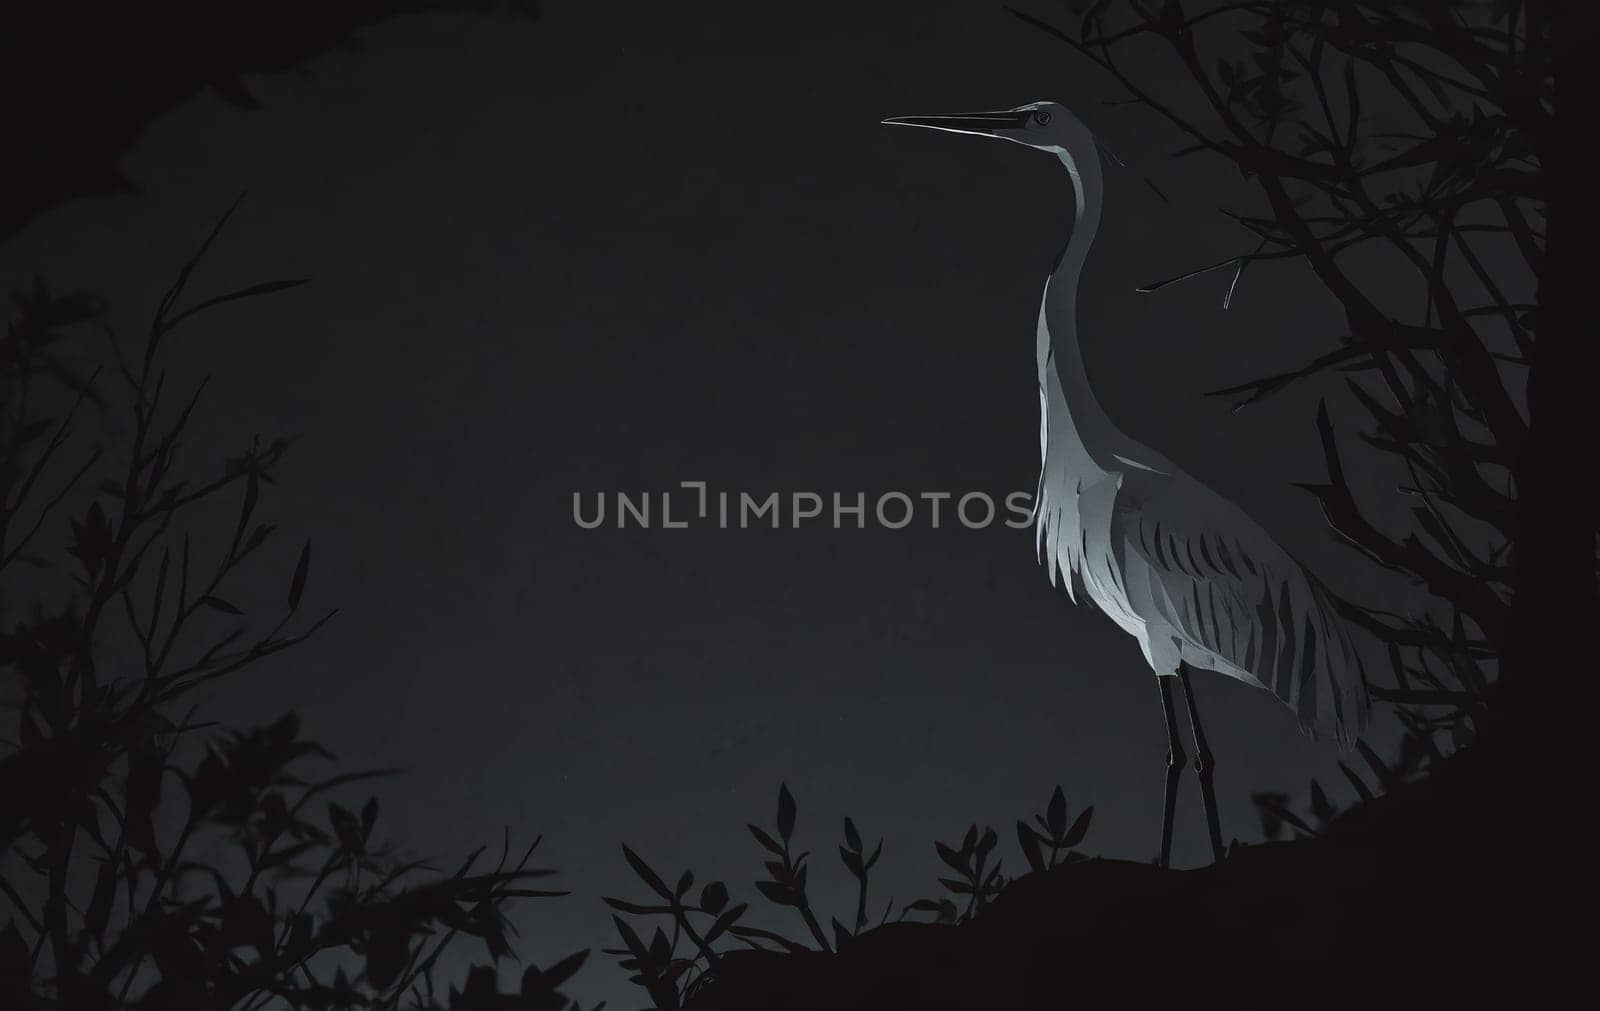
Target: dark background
628,245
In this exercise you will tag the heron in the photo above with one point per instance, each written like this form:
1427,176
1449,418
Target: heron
1174,563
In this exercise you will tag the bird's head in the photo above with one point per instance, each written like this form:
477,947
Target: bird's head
1048,126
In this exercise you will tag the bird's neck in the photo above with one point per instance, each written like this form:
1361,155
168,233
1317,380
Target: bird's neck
1075,433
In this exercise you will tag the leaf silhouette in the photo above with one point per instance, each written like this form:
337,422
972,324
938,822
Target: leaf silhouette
1321,806
218,604
1080,828
955,860
254,290
777,893
646,874
766,841
713,897
851,860
841,934
1030,846
297,585
635,908
725,921
629,938
545,983
1056,814
786,812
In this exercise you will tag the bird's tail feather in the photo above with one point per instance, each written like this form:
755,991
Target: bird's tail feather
1333,701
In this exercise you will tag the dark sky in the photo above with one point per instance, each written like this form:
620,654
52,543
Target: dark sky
636,244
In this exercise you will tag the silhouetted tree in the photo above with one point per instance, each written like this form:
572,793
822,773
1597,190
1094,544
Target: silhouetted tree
147,860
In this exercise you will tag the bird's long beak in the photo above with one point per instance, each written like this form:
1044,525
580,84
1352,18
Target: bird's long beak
984,124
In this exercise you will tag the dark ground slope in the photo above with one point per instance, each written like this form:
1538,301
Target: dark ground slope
1414,899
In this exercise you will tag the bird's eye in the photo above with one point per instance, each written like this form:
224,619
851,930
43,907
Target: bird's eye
1041,117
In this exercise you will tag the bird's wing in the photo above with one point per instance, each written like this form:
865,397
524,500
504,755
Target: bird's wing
1236,598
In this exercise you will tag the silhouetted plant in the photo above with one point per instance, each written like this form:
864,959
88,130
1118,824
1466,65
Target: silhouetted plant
1053,832
852,853
978,882
142,869
664,973
671,966
1417,753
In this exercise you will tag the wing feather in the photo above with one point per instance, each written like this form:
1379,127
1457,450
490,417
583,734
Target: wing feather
1239,603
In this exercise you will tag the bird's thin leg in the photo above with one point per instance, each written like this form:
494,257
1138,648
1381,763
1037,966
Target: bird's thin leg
1175,759
1204,765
